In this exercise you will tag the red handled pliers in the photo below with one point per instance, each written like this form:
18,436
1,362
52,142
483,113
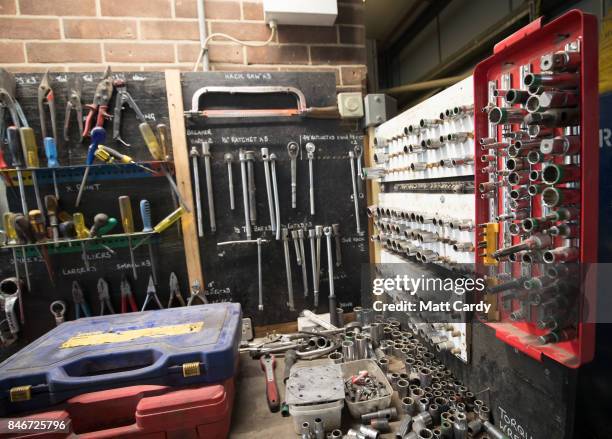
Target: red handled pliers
98,109
127,296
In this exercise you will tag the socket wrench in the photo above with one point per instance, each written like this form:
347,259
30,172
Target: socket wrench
245,193
250,161
265,157
313,257
293,150
310,150
229,158
285,237
333,316
194,154
336,233
358,153
275,190
209,187
303,258
355,196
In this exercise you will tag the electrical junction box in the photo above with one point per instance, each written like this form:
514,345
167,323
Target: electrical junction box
350,105
302,13
379,108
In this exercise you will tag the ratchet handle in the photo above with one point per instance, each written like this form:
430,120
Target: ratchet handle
268,364
51,152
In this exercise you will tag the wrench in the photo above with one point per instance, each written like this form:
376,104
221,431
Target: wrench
293,150
285,237
250,158
58,309
355,197
358,153
229,158
209,187
310,149
268,364
265,157
336,233
194,154
275,190
333,315
245,192
313,257
303,257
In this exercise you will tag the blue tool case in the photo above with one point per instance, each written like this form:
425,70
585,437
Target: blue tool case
177,347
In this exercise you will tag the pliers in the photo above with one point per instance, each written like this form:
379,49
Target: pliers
127,296
79,301
98,109
175,291
46,96
196,293
151,293
104,297
124,97
73,102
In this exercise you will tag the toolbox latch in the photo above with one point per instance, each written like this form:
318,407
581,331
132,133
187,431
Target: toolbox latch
535,25
21,393
191,369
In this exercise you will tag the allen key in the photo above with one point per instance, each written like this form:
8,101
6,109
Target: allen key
245,192
265,157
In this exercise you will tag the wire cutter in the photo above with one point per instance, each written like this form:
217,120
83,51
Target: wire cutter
104,297
46,96
124,97
127,297
79,301
151,293
73,103
175,291
98,109
196,293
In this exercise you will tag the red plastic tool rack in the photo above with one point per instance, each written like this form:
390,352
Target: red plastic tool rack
524,48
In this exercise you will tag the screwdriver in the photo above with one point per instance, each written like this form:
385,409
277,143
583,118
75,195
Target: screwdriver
51,154
30,151
67,230
164,140
51,206
145,214
164,224
98,136
127,220
101,222
39,231
109,155
19,224
81,233
11,237
14,143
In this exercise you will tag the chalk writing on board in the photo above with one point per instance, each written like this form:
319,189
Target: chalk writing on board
21,80
88,78
89,187
150,116
137,77
248,76
61,78
207,132
345,304
245,139
78,270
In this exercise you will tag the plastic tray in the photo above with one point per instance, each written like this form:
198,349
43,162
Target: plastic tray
360,408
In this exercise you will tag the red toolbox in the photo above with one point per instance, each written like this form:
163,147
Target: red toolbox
147,411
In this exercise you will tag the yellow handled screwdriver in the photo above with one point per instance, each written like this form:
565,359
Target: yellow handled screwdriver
164,224
110,155
11,239
127,221
82,233
30,152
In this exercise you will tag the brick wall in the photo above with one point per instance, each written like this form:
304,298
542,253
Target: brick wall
84,35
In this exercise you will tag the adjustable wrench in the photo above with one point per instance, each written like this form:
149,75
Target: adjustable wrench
265,157
333,315
358,153
275,190
355,196
285,237
250,158
303,258
209,187
245,192
229,158
310,150
195,154
293,149
313,257
268,364
336,233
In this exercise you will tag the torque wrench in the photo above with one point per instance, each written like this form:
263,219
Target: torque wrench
229,158
245,192
285,237
310,149
268,364
333,316
209,186
265,157
293,150
313,257
194,154
358,153
336,233
355,197
250,158
303,258
275,190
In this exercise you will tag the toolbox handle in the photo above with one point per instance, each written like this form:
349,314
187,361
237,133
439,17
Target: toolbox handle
124,365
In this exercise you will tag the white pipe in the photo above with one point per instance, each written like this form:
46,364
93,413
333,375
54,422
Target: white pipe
203,35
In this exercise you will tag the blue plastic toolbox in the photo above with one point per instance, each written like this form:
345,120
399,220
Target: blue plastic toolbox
173,347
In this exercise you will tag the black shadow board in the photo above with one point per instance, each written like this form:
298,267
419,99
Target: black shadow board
148,90
230,272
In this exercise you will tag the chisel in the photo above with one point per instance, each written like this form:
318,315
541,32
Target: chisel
127,220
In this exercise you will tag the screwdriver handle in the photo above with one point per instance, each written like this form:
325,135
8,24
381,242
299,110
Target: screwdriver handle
30,150
127,220
14,143
100,220
38,224
110,225
9,228
67,229
51,152
169,220
79,225
164,139
145,213
98,136
3,164
23,229
151,141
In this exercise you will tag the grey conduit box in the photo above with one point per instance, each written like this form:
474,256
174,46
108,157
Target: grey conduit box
379,108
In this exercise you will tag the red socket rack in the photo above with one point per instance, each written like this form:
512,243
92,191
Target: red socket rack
511,60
